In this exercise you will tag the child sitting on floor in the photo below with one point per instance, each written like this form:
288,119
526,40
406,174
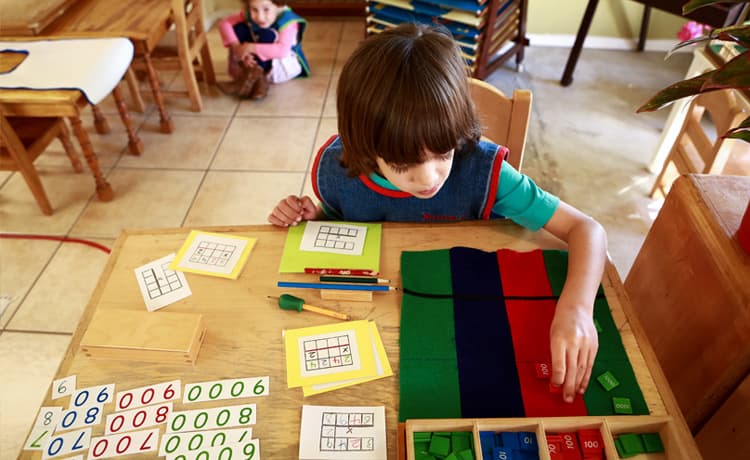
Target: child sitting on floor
409,149
265,46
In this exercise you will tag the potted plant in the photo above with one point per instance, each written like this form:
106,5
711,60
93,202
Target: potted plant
735,73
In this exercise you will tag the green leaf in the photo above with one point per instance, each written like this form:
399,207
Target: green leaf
741,132
743,135
693,5
733,74
676,91
738,34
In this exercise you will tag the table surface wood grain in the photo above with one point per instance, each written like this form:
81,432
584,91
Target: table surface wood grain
244,327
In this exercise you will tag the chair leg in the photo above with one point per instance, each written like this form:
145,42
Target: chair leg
64,137
207,65
166,125
135,91
103,189
188,75
135,145
100,121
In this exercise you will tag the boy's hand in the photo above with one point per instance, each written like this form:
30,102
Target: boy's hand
574,342
293,210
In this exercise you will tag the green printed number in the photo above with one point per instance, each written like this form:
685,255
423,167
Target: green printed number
245,415
259,388
251,453
36,444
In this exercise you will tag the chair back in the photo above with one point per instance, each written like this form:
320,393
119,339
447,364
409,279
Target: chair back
699,147
505,121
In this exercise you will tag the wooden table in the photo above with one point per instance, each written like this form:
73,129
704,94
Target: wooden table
66,103
20,20
144,22
690,288
244,327
712,15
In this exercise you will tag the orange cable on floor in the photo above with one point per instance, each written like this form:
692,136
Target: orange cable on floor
64,239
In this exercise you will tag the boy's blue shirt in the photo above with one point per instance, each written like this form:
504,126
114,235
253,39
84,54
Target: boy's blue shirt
481,186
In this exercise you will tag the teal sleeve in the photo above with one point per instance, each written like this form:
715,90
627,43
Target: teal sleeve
522,201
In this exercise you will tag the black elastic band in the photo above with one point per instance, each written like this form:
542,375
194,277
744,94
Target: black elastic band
485,297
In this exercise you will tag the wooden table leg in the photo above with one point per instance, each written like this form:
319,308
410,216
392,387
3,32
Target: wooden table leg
100,121
103,189
644,28
583,30
135,145
135,91
166,125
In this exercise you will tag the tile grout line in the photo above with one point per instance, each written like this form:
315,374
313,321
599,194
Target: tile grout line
210,163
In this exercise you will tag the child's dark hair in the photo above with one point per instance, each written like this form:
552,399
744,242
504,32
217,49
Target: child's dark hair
275,2
403,91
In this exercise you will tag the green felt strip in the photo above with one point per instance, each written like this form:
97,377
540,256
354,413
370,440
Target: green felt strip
611,355
428,372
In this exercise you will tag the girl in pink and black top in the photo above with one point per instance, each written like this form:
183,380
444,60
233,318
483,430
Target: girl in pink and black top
266,33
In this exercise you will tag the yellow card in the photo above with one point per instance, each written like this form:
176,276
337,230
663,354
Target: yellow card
383,367
328,353
213,254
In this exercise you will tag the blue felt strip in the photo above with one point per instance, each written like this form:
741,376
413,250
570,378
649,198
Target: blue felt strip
486,363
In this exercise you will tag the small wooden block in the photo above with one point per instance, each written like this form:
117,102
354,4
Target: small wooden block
144,336
335,294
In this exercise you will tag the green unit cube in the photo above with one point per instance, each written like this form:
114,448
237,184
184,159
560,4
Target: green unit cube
631,444
440,446
622,405
652,442
467,454
608,381
460,441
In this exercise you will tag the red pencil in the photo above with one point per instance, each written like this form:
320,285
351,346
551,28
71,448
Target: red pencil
341,271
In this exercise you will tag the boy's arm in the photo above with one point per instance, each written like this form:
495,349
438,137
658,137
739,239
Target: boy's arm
573,337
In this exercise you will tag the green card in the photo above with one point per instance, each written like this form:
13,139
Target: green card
295,259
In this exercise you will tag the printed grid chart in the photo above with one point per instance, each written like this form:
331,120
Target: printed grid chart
213,253
336,238
337,431
327,353
157,286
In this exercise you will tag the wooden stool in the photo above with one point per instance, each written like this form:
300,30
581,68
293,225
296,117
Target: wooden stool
23,139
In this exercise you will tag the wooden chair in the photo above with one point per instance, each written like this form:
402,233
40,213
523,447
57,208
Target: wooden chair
697,151
191,55
23,139
505,121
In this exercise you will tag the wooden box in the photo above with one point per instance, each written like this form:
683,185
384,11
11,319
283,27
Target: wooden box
144,336
609,426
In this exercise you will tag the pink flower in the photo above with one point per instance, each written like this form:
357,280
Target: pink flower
692,30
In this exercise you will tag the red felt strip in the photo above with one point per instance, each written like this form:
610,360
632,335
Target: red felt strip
524,274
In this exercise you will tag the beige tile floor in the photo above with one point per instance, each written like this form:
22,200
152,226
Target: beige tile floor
231,163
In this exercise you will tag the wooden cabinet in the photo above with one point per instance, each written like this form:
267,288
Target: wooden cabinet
690,287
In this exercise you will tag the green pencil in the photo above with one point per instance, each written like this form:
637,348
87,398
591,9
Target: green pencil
355,279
